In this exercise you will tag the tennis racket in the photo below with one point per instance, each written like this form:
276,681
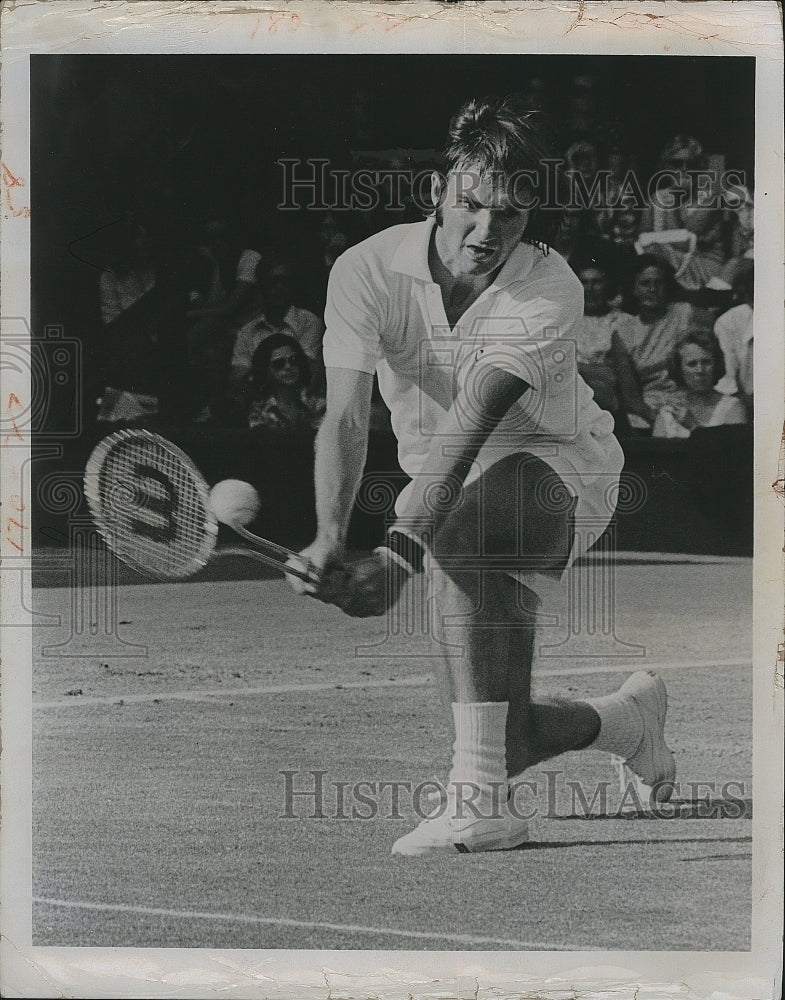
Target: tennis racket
152,507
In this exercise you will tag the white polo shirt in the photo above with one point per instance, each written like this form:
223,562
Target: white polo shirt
385,313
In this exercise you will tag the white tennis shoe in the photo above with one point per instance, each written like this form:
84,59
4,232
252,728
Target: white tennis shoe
653,761
448,834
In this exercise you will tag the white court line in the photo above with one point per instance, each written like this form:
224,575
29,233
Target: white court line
675,558
418,680
207,694
631,664
242,918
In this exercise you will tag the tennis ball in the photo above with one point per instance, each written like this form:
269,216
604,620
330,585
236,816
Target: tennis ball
234,502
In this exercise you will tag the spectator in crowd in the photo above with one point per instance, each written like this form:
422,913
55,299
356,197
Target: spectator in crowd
583,161
734,331
280,379
333,240
742,239
578,235
130,345
624,222
617,162
603,361
695,364
222,284
536,95
619,221
130,274
677,205
223,275
275,314
332,237
587,106
651,334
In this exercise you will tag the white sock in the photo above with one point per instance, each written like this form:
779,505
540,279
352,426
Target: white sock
479,755
621,724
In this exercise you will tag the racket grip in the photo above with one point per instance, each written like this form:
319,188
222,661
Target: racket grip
333,584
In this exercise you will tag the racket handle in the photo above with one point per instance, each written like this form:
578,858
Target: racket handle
309,573
279,555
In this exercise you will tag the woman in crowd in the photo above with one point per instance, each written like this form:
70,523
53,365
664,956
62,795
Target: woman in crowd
696,364
650,335
280,381
679,205
603,361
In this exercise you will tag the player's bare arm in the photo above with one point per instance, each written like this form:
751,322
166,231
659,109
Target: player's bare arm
341,448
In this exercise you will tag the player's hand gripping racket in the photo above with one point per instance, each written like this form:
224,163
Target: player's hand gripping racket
152,507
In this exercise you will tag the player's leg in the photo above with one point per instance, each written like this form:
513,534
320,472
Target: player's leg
523,508
546,727
519,508
466,609
486,623
629,723
487,640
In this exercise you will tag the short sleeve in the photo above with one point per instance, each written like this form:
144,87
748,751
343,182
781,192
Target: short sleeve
310,334
353,316
247,265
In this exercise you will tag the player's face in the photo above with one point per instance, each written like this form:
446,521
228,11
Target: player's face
482,222
595,289
697,368
285,366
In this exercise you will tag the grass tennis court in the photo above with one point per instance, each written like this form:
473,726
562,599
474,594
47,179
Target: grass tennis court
158,792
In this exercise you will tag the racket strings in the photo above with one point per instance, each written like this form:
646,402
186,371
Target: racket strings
151,505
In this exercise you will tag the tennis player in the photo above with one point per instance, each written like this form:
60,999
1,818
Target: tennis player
468,320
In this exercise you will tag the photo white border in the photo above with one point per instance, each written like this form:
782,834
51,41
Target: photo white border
701,29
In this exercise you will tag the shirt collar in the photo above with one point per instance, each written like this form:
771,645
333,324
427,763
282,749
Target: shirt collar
517,266
411,257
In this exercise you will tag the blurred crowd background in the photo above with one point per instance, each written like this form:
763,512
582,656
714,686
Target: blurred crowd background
160,243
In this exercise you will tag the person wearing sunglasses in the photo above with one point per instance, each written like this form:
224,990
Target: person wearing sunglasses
280,381
274,312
